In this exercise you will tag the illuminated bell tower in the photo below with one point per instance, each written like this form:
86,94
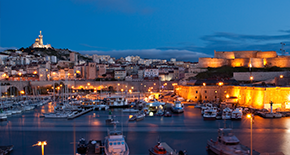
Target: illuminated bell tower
40,39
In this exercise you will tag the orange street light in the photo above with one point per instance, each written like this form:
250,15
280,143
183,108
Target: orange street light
22,92
72,87
251,78
88,84
118,84
35,72
132,87
41,143
204,84
19,73
281,76
227,96
221,83
130,91
122,90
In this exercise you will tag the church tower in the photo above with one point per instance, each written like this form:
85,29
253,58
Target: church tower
40,39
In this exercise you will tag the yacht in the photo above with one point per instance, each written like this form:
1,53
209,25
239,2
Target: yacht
210,114
177,107
227,144
206,107
227,113
117,102
237,113
115,143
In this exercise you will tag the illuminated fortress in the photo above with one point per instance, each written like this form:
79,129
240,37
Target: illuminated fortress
256,59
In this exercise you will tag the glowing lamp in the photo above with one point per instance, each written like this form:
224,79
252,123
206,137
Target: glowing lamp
281,76
227,96
251,77
221,83
249,115
204,84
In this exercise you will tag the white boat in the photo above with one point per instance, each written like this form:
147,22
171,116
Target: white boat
227,144
177,107
140,117
206,107
210,114
130,110
56,115
3,117
115,143
227,113
237,113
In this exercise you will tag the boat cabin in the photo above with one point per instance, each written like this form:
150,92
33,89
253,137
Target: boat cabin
116,142
226,137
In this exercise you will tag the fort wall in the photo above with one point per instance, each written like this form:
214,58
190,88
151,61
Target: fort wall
224,55
212,62
266,54
256,97
283,61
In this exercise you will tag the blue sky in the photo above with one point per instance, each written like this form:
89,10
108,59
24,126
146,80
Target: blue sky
182,29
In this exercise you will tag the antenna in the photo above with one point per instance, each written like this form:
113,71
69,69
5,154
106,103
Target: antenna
282,48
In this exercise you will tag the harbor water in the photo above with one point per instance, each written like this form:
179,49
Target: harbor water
186,131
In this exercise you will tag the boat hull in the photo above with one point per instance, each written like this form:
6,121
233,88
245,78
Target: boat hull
209,118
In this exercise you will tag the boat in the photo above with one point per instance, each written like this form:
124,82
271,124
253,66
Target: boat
237,114
164,149
117,102
115,143
82,146
130,110
177,107
6,149
227,144
3,117
227,113
140,117
132,118
210,114
206,107
158,150
167,114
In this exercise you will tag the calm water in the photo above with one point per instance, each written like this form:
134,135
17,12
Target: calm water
182,131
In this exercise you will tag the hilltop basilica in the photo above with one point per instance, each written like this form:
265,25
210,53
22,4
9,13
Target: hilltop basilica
39,42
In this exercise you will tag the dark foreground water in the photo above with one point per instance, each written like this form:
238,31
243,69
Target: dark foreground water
182,131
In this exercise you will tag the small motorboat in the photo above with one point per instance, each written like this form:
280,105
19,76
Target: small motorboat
82,146
164,149
167,114
140,117
132,118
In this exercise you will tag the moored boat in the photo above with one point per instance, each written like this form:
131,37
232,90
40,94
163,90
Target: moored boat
115,143
227,144
177,107
237,114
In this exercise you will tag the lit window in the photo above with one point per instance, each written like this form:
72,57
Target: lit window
215,91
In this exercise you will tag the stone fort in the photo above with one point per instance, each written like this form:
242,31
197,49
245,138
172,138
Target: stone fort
255,59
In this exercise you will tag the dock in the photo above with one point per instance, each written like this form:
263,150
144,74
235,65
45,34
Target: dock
168,148
80,113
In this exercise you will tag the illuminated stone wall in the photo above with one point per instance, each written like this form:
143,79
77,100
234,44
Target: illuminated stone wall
266,54
257,76
224,55
245,54
256,97
283,61
212,62
240,62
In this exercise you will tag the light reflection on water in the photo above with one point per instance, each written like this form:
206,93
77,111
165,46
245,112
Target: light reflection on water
181,131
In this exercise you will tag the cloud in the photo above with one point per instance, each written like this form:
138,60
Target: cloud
6,48
184,55
224,41
125,6
97,47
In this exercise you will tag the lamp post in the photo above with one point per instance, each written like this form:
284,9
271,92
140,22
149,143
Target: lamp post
251,116
41,143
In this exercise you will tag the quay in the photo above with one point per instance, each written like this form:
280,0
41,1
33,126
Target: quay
80,113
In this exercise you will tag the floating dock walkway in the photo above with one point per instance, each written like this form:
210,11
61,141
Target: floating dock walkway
80,113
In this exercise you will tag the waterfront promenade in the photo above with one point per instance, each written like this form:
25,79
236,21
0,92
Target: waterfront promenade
186,131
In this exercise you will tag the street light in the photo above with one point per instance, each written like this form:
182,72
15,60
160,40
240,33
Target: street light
41,143
251,116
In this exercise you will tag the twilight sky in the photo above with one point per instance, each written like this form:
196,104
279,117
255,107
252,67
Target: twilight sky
182,29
